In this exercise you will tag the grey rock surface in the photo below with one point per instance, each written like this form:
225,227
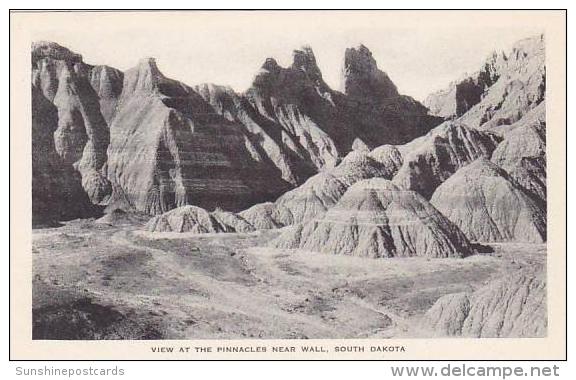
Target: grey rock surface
488,205
82,136
375,218
197,220
511,307
431,159
507,86
147,143
522,153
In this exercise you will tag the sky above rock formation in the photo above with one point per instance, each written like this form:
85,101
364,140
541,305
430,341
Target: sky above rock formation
420,56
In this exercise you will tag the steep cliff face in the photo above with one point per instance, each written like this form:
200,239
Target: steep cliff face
169,148
505,89
375,218
174,145
298,104
488,205
379,113
107,83
462,95
82,136
57,192
511,307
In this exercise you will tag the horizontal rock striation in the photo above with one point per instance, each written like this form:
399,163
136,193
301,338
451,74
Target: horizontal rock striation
322,191
169,149
488,205
377,219
420,165
147,143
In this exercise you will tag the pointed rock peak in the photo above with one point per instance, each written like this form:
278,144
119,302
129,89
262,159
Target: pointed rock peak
145,76
360,57
362,78
303,59
48,49
148,65
270,64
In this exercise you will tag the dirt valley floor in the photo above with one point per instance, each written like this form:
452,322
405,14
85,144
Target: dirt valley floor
97,281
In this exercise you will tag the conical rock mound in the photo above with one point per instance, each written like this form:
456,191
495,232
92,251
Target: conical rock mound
197,220
377,219
488,205
322,191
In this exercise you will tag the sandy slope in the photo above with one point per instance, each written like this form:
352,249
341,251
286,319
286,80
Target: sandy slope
94,281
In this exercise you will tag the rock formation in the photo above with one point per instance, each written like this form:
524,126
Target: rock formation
488,205
420,165
431,159
522,153
144,142
323,190
169,148
82,137
197,220
119,217
505,89
57,192
379,114
511,307
375,218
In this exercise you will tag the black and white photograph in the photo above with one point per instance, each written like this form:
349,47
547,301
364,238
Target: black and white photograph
289,178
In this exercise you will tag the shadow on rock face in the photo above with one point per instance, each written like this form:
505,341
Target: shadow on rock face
481,248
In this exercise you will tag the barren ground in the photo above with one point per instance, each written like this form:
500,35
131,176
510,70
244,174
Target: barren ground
94,281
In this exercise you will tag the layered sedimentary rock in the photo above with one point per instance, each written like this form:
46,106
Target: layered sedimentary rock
169,148
511,307
144,142
420,165
322,191
431,159
488,205
506,88
375,218
82,136
197,220
522,153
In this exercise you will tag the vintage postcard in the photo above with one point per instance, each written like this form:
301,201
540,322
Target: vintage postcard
326,185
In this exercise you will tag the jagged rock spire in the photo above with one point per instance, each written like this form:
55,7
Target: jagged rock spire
362,78
304,59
